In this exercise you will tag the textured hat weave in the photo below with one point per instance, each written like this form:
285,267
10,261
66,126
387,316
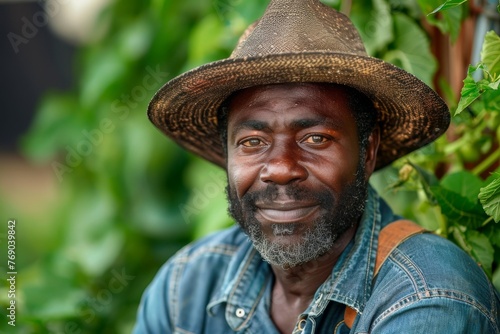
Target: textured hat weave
300,41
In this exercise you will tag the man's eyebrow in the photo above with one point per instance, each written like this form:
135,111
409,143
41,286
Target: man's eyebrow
297,124
251,124
305,123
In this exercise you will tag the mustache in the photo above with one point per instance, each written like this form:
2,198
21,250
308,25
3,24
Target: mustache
290,192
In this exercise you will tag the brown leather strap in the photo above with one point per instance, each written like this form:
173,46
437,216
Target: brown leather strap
389,238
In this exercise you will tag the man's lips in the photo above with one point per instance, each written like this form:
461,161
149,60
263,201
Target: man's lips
286,212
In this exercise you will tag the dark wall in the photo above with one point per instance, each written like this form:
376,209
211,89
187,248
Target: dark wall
32,61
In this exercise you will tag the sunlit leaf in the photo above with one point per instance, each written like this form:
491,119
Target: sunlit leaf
490,65
494,85
470,91
447,5
490,198
490,54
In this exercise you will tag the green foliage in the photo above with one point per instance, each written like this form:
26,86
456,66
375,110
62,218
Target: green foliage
129,198
447,5
411,49
449,18
490,198
490,67
460,181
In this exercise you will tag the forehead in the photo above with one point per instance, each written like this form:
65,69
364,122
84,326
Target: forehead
307,99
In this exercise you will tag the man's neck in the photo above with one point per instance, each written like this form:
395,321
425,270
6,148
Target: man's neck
294,288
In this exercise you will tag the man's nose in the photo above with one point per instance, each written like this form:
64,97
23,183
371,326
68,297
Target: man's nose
283,165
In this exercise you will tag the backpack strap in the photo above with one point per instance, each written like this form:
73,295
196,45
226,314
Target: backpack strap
390,237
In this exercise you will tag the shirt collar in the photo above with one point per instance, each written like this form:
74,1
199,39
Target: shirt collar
351,280
243,286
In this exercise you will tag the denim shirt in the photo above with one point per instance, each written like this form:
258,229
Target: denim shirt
220,285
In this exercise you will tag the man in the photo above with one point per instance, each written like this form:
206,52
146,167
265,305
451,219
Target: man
300,117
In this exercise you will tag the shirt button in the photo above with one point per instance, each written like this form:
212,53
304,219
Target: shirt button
319,298
240,313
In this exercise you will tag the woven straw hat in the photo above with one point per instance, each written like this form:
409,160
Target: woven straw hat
300,41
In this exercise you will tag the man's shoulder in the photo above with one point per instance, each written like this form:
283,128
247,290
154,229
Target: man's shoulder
427,272
188,282
437,261
210,254
202,263
432,267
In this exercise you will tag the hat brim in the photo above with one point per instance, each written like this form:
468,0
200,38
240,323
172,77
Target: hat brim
411,114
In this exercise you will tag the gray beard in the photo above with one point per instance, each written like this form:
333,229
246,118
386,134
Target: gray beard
315,242
338,216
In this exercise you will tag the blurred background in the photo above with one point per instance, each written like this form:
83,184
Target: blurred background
101,199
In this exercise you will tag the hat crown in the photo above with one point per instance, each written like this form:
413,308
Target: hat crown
292,26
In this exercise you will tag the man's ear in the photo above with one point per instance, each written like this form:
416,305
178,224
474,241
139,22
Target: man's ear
371,152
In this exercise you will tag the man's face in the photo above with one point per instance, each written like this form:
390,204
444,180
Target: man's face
296,180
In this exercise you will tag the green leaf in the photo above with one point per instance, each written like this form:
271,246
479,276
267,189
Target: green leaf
494,85
481,249
490,65
374,22
449,21
447,5
463,183
459,238
428,180
490,54
412,51
470,91
493,233
489,197
458,209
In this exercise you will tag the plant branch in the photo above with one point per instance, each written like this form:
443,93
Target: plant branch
486,163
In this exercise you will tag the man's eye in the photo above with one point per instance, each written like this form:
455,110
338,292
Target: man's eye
252,142
315,139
